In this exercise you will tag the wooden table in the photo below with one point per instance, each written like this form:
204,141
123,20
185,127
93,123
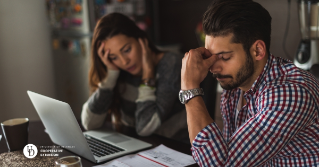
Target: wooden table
37,136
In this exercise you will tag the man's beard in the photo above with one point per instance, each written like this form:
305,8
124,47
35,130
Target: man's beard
242,75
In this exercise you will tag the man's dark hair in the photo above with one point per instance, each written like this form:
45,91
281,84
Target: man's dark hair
247,20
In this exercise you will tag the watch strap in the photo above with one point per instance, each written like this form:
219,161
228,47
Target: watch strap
186,95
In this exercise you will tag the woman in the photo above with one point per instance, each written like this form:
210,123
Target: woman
134,82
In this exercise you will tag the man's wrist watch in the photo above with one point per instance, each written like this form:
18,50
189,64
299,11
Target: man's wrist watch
186,95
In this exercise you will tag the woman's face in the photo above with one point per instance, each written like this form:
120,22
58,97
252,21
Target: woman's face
125,53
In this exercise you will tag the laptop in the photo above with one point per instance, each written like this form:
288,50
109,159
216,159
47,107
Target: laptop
64,130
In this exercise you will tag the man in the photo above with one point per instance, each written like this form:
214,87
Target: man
270,107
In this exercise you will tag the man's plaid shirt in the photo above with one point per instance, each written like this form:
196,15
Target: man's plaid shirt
278,126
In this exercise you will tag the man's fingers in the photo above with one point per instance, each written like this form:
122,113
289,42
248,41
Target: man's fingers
204,52
206,56
211,60
186,54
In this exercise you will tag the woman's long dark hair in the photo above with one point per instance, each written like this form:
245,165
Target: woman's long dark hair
107,27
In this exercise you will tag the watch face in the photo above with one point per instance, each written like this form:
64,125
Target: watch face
181,98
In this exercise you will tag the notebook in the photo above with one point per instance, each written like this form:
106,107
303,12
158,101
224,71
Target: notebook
64,130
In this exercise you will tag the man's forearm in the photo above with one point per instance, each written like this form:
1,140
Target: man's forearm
197,116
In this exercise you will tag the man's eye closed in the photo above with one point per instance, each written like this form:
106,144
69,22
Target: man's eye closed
224,57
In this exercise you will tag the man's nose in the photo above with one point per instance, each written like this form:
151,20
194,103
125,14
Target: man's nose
216,67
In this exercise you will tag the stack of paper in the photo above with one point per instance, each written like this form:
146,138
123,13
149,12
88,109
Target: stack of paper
157,157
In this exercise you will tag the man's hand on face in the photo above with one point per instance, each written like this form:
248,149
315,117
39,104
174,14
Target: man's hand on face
195,65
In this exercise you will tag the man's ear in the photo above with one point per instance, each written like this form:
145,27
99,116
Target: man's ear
258,50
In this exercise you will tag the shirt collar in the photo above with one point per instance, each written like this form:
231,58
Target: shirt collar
271,71
262,76
261,79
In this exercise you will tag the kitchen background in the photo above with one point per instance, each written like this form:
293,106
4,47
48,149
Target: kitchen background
35,55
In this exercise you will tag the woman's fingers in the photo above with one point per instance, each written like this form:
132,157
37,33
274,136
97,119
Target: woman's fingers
100,50
144,45
140,40
103,54
148,59
106,55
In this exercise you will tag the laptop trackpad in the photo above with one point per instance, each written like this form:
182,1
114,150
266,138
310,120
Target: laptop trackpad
115,138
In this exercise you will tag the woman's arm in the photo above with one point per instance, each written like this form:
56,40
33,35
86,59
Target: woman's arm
95,109
154,105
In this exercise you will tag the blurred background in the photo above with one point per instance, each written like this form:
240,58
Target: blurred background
45,44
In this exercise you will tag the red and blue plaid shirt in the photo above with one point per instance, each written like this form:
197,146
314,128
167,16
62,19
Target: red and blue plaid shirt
278,126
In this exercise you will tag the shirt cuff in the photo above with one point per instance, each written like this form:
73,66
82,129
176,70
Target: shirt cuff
146,93
210,133
110,81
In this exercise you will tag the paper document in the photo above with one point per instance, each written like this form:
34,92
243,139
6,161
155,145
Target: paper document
157,157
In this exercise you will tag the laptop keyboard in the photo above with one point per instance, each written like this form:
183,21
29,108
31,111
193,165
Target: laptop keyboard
100,148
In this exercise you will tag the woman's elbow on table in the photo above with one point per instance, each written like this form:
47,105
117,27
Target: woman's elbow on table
150,127
91,120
